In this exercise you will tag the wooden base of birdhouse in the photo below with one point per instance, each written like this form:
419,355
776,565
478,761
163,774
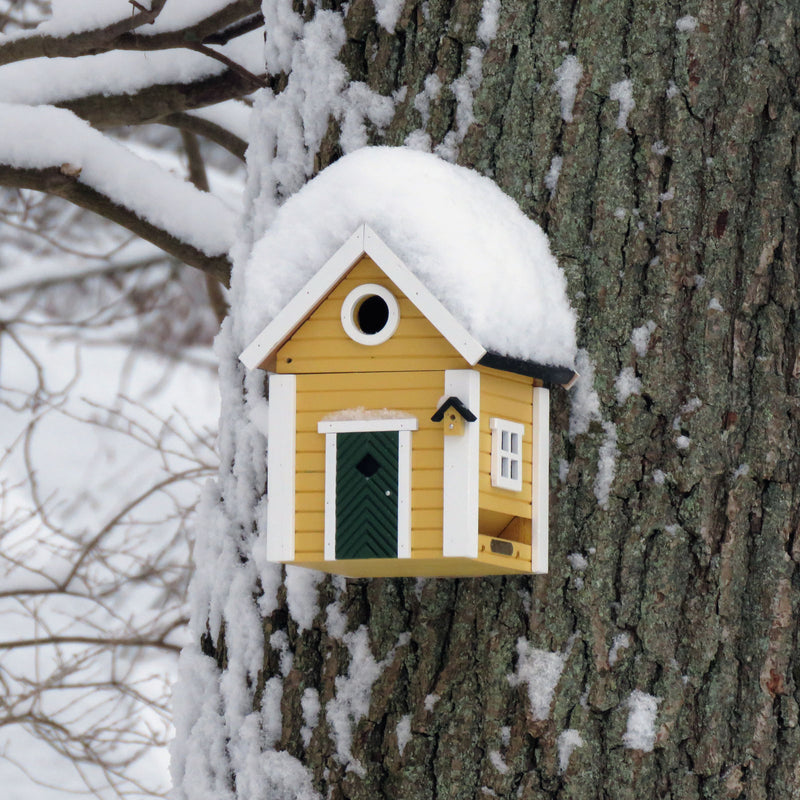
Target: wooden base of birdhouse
496,557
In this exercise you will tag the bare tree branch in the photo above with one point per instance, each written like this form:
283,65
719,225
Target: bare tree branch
198,176
230,63
208,130
53,181
110,268
102,641
155,103
122,35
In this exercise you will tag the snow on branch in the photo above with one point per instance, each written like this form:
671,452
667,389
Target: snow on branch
85,167
67,37
129,88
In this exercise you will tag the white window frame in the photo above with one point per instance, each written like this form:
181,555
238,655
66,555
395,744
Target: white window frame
404,426
506,453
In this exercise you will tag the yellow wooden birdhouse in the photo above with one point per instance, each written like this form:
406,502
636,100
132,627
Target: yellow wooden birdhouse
399,443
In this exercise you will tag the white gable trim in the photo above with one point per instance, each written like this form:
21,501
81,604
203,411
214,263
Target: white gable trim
363,242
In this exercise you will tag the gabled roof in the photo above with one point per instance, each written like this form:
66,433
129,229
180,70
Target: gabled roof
471,246
365,242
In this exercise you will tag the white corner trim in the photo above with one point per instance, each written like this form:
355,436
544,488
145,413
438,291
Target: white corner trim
460,479
350,308
363,242
330,497
281,467
367,425
541,479
421,297
404,493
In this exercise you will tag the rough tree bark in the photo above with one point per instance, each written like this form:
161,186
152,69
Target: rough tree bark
679,222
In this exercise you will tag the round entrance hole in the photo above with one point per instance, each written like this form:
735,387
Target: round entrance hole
370,314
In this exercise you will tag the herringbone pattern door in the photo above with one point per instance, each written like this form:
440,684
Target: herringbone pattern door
366,495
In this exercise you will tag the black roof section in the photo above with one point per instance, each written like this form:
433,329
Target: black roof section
544,372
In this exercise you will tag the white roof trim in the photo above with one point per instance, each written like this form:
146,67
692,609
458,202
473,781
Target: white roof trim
363,242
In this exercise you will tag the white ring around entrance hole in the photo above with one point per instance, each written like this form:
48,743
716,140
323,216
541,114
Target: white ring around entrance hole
352,305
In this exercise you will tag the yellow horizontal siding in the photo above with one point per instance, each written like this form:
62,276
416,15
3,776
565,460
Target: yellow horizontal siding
318,396
320,345
489,374
411,399
325,382
509,397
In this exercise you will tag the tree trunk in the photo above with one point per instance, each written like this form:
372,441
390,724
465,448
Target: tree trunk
659,657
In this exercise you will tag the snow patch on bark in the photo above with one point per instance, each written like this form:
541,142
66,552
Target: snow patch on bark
487,27
606,465
568,76
578,561
387,12
284,778
627,384
301,595
640,733
568,741
620,642
463,88
403,732
351,701
309,703
551,178
622,92
585,402
584,410
540,670
497,762
640,337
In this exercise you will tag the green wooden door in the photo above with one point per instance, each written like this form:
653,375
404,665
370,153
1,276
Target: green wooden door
366,494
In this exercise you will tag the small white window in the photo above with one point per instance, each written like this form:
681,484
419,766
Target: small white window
506,453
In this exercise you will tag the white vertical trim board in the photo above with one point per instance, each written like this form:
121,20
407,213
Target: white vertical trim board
460,479
541,478
330,496
281,467
404,494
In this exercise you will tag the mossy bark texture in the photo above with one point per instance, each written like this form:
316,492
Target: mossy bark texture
675,500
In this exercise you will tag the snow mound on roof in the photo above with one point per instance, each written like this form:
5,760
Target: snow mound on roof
467,241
